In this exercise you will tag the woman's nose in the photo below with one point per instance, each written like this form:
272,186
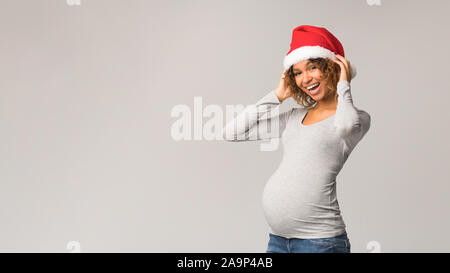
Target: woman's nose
307,78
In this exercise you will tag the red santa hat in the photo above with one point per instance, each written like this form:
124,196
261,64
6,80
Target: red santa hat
313,42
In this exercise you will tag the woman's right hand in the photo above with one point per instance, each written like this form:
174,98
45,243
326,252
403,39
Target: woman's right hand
282,91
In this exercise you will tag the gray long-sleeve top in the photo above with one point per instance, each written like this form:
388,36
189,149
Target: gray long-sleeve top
299,200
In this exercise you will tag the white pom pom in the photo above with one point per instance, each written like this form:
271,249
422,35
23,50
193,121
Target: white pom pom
353,68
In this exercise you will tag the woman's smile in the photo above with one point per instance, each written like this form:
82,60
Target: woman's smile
315,90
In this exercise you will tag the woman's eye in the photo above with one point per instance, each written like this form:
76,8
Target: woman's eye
311,68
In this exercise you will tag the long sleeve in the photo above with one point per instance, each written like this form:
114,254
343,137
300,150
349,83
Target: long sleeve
349,120
258,121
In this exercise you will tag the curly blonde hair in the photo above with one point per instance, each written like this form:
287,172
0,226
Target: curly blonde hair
330,73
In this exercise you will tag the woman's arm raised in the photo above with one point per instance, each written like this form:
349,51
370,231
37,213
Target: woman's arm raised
254,122
349,121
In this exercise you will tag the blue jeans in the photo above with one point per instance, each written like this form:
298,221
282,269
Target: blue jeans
338,244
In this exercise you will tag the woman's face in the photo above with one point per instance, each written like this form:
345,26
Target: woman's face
308,74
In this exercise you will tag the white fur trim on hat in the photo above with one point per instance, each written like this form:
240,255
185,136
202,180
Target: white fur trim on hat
353,68
306,52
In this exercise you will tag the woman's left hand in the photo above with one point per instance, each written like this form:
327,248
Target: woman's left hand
346,73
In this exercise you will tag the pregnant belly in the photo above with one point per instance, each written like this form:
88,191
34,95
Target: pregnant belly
298,206
281,203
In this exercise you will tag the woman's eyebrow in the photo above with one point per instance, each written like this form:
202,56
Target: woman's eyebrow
309,62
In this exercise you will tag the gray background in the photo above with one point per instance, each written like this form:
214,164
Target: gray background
86,152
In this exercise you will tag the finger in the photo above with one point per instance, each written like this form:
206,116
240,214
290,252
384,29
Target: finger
340,57
339,63
343,60
344,67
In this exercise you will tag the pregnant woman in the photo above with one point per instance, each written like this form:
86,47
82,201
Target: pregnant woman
299,200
